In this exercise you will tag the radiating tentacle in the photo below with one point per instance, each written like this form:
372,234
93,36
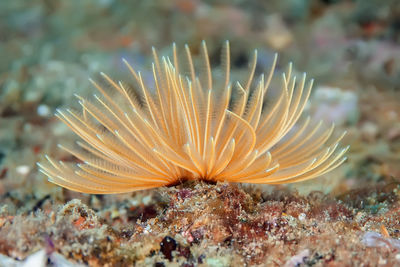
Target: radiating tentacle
188,128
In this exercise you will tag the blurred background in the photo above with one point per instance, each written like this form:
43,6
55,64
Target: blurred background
48,49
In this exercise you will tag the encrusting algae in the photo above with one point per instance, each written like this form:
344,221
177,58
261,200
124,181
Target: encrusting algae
189,128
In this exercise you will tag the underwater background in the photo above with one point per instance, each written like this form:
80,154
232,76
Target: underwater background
348,217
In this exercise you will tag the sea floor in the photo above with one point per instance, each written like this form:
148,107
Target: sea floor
200,224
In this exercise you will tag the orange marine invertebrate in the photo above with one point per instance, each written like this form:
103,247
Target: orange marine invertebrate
189,128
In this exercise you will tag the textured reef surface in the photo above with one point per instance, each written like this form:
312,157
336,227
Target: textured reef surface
198,224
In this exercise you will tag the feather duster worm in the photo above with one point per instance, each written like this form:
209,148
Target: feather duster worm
188,127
